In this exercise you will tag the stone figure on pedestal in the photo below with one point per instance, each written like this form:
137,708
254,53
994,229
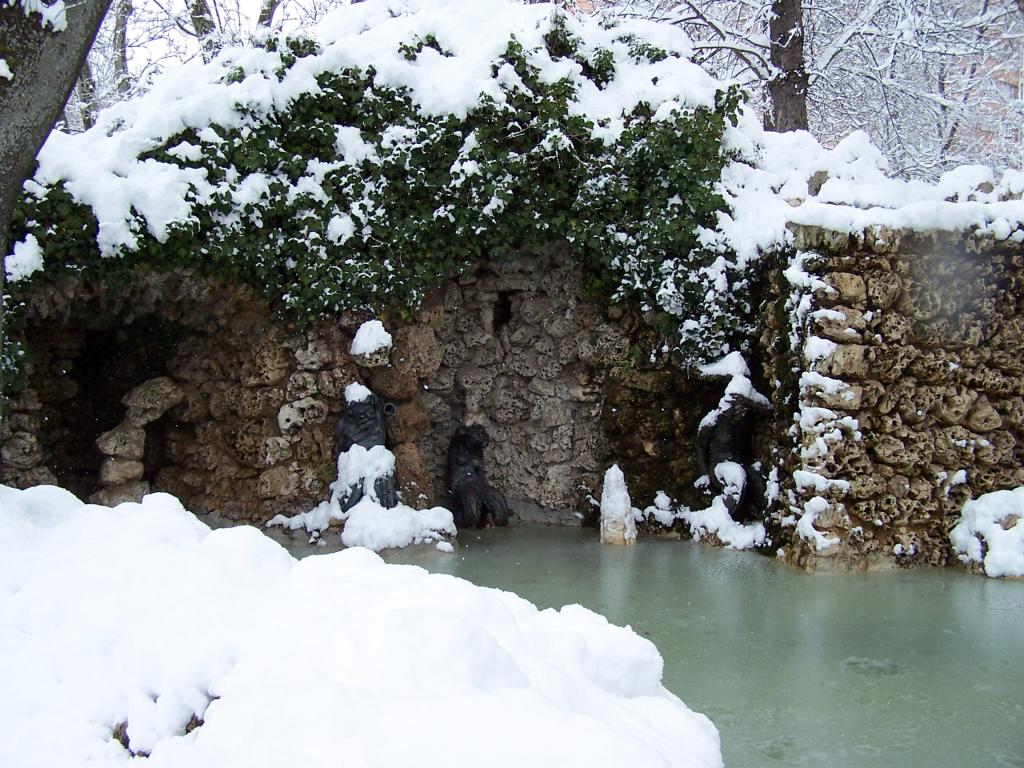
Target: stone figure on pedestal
725,455
362,428
477,503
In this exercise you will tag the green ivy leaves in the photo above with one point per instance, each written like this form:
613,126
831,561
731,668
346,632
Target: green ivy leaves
364,202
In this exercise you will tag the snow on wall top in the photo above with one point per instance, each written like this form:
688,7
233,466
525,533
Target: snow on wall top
790,178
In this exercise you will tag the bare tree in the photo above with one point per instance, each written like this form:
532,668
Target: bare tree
267,10
935,83
85,89
788,83
122,80
203,26
140,37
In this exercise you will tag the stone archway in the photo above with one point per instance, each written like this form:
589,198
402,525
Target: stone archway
122,475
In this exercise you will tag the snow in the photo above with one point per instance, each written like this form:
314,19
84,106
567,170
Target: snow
661,510
340,229
812,508
618,523
368,523
357,393
52,14
771,186
5,70
371,337
26,259
991,532
739,385
817,348
716,520
732,476
152,619
362,467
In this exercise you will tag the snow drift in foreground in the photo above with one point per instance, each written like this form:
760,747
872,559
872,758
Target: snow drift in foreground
991,532
142,615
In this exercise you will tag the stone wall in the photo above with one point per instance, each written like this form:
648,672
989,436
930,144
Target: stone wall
521,353
900,392
563,388
176,383
893,360
171,382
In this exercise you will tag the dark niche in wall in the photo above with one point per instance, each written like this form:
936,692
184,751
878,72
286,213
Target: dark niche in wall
82,374
502,310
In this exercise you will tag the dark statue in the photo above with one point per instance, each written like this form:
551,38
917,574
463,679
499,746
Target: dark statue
477,503
728,440
363,423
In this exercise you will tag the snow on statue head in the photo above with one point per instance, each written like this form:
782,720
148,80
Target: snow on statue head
476,502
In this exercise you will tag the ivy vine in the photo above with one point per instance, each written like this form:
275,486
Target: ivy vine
427,196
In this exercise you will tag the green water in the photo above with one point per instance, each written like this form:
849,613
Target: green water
913,668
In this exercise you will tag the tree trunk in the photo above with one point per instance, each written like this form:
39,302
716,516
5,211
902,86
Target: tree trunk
86,96
788,85
204,27
122,81
267,9
45,66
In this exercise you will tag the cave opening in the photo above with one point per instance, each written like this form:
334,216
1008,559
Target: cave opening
82,376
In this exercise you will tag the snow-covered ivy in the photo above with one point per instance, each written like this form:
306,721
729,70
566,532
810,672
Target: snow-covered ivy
400,142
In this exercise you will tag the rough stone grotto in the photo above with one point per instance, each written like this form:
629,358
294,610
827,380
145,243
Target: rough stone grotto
913,403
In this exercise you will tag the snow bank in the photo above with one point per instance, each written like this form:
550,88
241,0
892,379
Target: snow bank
141,615
991,532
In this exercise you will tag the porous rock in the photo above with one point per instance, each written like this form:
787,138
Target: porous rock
151,400
125,441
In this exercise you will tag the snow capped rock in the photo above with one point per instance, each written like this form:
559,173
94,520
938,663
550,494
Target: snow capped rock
370,338
618,525
991,533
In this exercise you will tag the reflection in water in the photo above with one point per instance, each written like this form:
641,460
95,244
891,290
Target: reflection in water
918,668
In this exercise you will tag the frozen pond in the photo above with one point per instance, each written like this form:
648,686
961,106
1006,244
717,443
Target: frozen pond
913,668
